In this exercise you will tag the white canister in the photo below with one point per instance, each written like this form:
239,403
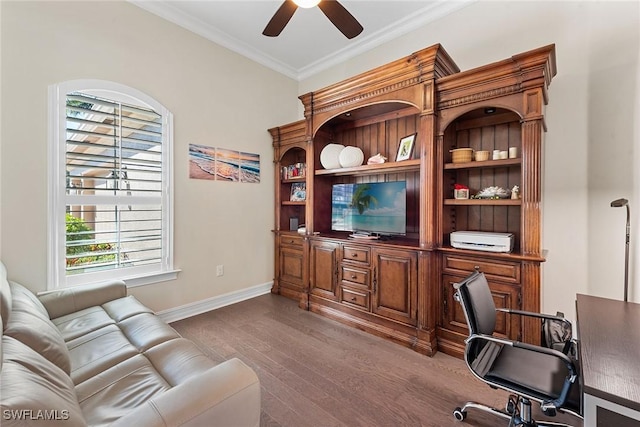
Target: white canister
496,155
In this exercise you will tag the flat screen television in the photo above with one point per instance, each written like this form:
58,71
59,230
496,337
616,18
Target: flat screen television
379,208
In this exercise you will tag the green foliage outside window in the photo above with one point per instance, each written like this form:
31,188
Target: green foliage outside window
78,230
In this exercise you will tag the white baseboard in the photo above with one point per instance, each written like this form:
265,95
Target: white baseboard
199,307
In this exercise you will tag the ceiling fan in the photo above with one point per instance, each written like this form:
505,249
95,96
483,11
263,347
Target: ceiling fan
337,14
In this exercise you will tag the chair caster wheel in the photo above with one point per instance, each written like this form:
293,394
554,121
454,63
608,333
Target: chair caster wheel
511,406
459,414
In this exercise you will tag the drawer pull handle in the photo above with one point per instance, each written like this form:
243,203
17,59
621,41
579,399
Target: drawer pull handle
354,255
476,268
353,298
353,276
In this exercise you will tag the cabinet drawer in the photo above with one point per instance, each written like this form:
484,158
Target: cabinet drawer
354,297
291,240
355,276
502,270
356,254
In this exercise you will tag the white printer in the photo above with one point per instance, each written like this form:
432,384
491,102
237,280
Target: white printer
482,241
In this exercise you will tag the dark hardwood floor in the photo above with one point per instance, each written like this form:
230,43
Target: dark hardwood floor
317,372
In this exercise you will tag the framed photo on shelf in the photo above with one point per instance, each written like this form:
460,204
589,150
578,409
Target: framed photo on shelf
298,192
405,148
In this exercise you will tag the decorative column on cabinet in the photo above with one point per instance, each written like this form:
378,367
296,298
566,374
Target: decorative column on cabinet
291,178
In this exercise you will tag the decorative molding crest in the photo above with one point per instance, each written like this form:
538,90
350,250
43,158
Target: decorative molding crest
367,95
494,93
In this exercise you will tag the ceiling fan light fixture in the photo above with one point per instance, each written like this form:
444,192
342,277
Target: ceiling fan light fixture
306,3
337,14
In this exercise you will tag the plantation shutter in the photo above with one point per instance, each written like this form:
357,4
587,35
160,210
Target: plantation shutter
114,185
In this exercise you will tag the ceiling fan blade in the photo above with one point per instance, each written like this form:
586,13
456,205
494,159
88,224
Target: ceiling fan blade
341,18
280,19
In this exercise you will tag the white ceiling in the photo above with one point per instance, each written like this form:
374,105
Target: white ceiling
309,43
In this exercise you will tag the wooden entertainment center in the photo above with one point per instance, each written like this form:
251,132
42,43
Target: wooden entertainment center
401,288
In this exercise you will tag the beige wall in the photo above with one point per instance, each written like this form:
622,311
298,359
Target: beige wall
218,98
592,122
221,99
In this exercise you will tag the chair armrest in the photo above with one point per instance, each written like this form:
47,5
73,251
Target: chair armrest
68,300
491,338
532,314
559,318
226,395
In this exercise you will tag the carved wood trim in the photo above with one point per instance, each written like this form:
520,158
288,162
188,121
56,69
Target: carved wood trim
398,81
479,96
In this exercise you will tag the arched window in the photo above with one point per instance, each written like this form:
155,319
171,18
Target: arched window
110,185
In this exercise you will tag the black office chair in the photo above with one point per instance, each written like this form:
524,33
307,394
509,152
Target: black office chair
528,372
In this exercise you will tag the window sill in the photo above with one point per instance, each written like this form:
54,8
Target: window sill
150,279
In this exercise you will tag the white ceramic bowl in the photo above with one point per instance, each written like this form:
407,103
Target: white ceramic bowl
330,156
350,157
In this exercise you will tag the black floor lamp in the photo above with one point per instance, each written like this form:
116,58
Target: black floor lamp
618,204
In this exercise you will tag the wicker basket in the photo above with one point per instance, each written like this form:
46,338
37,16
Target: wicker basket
461,155
482,155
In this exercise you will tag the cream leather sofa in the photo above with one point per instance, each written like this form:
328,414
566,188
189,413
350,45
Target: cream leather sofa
95,356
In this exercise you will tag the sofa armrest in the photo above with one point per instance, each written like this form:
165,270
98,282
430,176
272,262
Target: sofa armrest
68,300
227,395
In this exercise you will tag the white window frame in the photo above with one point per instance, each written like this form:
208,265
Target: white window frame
57,197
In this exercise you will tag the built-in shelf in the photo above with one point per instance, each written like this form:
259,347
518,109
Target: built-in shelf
295,179
395,167
507,256
483,202
484,164
294,203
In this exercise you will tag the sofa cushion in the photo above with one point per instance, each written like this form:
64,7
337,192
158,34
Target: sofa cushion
119,390
34,390
123,308
41,335
147,330
82,322
25,300
178,360
97,351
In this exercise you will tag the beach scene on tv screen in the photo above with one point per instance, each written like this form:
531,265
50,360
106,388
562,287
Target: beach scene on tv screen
372,207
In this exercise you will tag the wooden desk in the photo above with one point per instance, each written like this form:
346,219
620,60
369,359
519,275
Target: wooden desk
609,344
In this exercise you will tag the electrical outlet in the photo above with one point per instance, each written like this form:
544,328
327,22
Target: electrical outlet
220,270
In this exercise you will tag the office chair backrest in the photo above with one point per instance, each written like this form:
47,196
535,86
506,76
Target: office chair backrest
477,303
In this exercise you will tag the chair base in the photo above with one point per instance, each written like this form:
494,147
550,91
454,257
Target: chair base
516,416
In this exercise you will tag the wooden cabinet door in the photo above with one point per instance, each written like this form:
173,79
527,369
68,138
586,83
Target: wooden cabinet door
504,296
395,277
291,268
323,279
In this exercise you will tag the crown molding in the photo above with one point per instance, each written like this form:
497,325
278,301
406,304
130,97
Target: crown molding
434,10
166,11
